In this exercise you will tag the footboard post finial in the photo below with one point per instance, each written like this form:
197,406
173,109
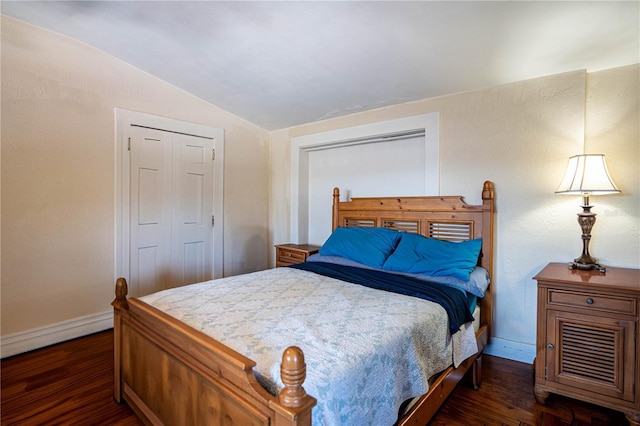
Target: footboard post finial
293,405
293,371
122,289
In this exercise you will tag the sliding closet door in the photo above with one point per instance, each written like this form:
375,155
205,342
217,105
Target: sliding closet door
392,158
375,169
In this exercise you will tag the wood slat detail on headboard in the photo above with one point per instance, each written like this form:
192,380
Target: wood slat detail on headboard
405,225
361,222
443,217
450,231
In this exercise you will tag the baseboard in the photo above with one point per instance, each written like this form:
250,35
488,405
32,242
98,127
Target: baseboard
40,337
503,348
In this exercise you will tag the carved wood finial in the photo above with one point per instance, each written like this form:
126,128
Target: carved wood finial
122,289
293,371
487,190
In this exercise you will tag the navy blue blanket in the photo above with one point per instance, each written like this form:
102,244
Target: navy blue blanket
452,300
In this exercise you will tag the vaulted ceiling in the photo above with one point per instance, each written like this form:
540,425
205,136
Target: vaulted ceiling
279,64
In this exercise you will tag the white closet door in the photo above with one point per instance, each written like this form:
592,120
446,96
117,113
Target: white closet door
192,242
151,210
171,190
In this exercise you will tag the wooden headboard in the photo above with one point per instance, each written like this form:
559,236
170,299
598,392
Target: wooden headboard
444,217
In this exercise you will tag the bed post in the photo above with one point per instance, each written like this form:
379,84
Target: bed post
488,195
293,406
336,208
486,313
120,305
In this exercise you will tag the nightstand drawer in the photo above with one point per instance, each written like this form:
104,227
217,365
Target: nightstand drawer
288,256
600,302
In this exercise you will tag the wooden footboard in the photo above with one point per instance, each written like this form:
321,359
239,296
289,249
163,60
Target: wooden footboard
172,374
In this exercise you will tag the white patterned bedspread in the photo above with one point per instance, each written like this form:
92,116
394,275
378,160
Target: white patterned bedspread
366,350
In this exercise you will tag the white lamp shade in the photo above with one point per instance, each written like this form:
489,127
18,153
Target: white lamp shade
587,174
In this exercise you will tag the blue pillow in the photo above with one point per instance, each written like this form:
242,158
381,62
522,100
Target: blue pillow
370,246
417,254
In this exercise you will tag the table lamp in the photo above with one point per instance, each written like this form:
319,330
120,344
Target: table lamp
587,175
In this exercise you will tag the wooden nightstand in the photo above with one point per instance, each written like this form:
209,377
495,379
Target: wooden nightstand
289,254
587,338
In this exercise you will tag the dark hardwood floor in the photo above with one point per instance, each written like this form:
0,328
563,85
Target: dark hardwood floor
71,384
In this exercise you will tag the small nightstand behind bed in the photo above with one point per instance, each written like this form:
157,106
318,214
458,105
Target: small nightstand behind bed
587,339
290,254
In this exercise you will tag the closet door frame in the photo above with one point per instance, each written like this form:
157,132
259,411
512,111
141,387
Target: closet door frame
123,120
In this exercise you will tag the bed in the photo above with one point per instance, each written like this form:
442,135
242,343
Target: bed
170,369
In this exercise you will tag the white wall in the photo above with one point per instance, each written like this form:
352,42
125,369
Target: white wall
520,136
58,180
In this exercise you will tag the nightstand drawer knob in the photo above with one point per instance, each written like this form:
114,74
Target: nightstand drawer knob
589,301
550,346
